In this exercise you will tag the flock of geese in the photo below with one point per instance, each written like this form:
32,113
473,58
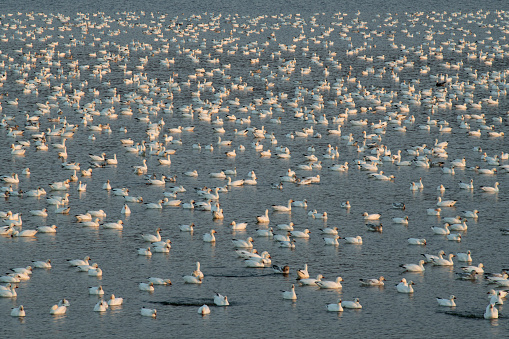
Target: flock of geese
311,97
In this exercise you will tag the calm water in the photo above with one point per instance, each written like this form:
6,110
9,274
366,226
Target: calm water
256,306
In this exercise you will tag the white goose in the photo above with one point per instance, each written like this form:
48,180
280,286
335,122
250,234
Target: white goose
152,237
239,243
209,237
329,284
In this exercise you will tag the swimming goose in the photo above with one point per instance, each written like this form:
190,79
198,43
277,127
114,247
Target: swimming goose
92,223
148,312
335,307
78,262
152,237
333,241
24,233
9,293
290,295
303,273
373,281
404,287
203,310
464,256
18,311
209,237
354,240
96,290
144,251
114,225
414,267
441,230
58,309
478,269
443,261
280,208
454,237
159,281
300,234
311,281
465,186
115,301
403,220
329,284
221,300
197,272
42,264
490,189
447,302
191,279
187,228
491,312
101,306
416,241
373,216
352,304
146,286
263,219
238,226
445,203
238,243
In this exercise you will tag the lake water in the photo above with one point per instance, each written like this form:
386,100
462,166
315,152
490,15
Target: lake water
270,52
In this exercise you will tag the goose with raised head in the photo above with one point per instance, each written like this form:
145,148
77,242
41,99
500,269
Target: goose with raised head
405,287
355,304
290,295
444,261
263,219
209,237
303,272
335,307
152,237
281,208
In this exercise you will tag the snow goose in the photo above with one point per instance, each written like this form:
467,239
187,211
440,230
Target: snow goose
159,281
209,237
404,287
443,261
148,312
491,312
203,310
336,307
355,304
329,284
149,287
373,281
263,219
18,311
447,302
115,301
354,240
466,257
445,203
290,295
239,243
221,300
97,290
479,269
303,273
414,267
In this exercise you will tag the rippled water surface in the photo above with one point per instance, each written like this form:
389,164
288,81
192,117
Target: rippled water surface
123,51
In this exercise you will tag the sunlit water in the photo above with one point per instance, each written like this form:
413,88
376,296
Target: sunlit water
256,305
